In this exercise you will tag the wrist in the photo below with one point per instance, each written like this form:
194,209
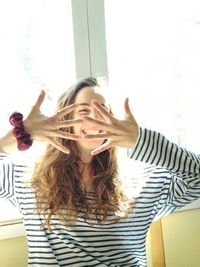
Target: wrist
23,138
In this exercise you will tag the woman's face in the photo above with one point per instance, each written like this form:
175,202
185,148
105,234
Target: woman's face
84,98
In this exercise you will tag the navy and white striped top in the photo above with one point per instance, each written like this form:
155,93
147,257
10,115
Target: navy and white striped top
170,179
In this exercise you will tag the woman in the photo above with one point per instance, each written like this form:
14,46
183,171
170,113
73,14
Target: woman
77,210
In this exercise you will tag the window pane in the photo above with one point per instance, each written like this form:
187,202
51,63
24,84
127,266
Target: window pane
154,57
36,51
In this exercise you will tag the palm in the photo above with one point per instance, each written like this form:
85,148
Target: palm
43,128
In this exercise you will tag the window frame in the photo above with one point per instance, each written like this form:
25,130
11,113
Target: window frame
90,60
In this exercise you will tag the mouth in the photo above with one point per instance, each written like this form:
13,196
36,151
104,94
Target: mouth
92,131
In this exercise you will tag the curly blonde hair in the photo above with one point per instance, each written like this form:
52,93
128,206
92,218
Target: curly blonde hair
57,177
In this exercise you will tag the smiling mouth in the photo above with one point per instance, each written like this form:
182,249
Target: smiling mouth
92,131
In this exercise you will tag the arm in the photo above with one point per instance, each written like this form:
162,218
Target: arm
153,148
8,143
42,128
142,144
175,171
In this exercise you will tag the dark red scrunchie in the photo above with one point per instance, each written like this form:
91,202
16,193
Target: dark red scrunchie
24,140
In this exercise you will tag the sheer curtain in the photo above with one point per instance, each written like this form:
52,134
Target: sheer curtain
36,51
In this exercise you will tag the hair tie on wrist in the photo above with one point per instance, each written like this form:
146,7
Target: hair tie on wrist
24,140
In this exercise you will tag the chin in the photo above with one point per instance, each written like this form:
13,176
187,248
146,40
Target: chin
90,145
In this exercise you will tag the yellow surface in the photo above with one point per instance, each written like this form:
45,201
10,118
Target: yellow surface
148,250
181,235
13,252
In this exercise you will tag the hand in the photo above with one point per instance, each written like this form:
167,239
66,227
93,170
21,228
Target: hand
122,133
43,128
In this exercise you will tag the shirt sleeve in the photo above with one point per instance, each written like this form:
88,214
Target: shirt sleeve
6,177
176,168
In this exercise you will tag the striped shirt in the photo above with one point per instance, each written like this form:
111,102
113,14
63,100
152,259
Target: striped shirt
169,179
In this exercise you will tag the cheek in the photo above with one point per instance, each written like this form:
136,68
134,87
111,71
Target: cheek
76,128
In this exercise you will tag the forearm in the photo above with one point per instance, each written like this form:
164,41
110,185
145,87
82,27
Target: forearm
17,137
8,143
154,148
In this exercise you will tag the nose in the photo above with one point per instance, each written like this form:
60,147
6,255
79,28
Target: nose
95,114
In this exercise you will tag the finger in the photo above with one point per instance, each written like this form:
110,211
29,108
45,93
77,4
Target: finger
69,123
102,148
57,145
61,113
100,136
127,107
39,100
128,112
101,124
62,134
106,114
70,136
67,110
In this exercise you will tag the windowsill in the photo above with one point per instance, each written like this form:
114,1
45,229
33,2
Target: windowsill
191,206
11,229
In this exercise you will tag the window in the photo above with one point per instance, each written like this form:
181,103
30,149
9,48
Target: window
148,49
36,51
154,57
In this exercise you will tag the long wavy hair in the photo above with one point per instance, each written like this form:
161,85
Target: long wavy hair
57,177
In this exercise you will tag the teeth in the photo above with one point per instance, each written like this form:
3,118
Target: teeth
92,132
